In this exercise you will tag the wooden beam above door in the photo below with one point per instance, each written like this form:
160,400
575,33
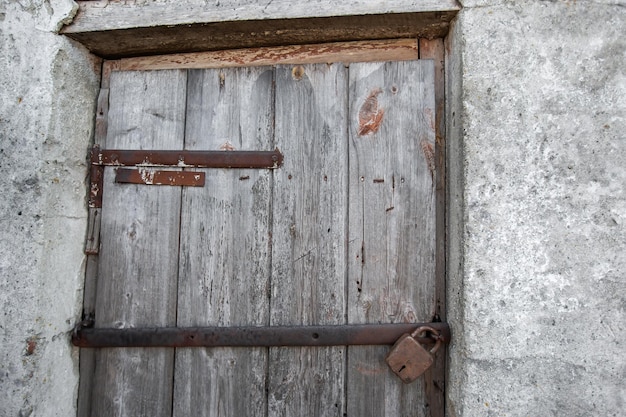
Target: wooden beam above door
113,29
325,53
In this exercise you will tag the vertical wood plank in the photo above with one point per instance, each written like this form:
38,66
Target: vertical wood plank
139,248
225,244
435,378
87,359
392,223
309,233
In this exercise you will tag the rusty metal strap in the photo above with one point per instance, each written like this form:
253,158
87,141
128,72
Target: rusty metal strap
148,177
334,335
197,159
179,159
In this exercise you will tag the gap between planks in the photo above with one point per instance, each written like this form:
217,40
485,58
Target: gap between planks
346,52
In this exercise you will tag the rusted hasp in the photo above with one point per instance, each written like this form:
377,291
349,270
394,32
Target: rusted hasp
339,335
180,159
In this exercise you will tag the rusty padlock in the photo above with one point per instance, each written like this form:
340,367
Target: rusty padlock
408,359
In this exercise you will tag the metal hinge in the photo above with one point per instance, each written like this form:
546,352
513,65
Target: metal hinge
143,160
143,172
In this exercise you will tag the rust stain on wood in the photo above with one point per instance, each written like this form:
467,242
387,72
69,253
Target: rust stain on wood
428,150
370,114
430,118
369,369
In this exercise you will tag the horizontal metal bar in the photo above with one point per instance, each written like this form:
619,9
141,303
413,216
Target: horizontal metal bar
339,335
198,159
150,177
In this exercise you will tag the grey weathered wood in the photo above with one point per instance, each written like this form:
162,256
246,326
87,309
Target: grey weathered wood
130,28
111,15
87,362
435,378
309,233
139,252
344,232
392,225
225,243
87,359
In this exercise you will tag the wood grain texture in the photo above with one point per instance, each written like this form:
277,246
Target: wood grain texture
225,243
176,39
346,52
139,252
344,232
111,15
309,232
87,361
435,378
392,227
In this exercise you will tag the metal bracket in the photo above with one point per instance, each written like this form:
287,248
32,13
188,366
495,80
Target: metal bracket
332,335
144,160
174,159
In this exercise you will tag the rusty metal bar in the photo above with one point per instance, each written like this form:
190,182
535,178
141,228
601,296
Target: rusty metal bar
146,176
197,159
182,159
339,335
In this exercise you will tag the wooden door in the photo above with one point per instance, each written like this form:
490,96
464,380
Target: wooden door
343,233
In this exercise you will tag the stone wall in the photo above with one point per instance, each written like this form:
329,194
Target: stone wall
537,212
47,95
537,288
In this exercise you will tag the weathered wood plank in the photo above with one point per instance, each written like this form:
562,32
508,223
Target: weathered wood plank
87,364
346,52
153,39
111,15
225,239
139,251
309,233
392,223
435,378
87,359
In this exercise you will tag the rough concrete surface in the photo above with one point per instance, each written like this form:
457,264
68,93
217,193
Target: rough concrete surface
47,93
537,289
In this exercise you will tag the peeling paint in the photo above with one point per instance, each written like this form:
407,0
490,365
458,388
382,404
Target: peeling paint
147,176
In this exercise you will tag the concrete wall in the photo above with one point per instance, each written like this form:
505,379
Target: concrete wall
47,93
537,208
537,288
